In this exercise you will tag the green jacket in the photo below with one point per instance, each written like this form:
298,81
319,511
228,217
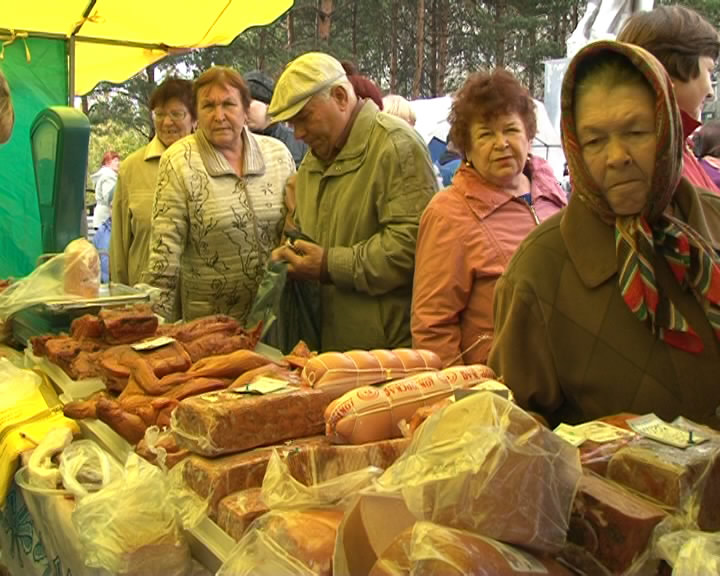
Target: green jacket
364,209
568,345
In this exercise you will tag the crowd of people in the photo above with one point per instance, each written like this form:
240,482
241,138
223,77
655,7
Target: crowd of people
606,302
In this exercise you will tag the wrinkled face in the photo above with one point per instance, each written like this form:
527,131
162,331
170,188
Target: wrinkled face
172,121
691,95
221,115
616,132
321,122
499,148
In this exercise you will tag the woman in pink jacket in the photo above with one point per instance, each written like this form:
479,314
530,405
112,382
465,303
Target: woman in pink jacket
470,230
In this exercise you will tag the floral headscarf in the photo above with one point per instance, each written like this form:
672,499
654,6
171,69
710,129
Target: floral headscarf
692,260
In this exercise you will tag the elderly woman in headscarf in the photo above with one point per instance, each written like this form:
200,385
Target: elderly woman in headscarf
614,304
469,231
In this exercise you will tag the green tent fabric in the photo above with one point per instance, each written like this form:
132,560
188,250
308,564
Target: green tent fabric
34,85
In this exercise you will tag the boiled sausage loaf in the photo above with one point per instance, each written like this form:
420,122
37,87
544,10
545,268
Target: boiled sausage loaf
361,367
368,414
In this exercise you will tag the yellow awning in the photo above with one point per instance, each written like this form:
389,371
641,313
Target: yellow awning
115,39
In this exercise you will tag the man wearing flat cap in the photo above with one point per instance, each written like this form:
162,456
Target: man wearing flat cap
361,190
261,90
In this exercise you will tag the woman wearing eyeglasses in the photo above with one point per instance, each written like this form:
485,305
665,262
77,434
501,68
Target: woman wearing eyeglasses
173,118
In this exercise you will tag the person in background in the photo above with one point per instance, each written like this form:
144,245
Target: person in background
173,118
396,105
218,209
613,305
7,113
105,180
469,231
361,190
688,46
449,162
364,87
708,149
261,90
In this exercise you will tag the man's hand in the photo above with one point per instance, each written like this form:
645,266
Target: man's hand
305,259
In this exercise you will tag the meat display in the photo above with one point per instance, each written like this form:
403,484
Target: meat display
688,478
288,542
348,370
226,422
427,548
370,413
90,350
310,460
609,526
237,511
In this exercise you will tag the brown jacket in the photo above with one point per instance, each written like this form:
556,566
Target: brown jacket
590,355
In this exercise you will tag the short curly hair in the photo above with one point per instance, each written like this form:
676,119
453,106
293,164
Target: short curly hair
486,95
173,88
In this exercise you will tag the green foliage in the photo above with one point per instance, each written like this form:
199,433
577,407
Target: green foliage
112,135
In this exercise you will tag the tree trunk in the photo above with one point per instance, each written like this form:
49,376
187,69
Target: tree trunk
151,83
433,46
499,33
420,42
324,20
442,42
532,41
260,59
290,29
353,11
393,46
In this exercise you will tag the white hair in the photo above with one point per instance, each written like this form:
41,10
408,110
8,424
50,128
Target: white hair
396,105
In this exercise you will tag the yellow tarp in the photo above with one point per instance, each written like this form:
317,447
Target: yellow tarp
121,37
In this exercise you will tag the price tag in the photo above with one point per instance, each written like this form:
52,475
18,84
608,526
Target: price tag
650,426
263,385
568,433
602,432
152,344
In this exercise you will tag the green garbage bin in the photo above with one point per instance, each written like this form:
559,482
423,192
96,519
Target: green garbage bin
59,137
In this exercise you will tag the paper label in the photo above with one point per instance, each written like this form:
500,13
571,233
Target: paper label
152,344
263,385
602,432
599,432
518,560
568,433
650,426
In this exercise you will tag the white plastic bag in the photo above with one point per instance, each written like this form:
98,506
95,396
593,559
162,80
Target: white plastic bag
86,468
133,525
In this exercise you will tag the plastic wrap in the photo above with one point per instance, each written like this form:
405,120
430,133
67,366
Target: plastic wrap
281,490
298,535
74,273
86,468
286,543
133,524
226,422
690,552
427,548
370,413
237,511
484,465
687,480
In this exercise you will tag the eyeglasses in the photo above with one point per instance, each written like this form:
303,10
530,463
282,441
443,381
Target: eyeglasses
175,115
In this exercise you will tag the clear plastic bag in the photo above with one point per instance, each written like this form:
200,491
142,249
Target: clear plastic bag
281,490
427,548
86,468
73,274
484,465
298,535
690,552
133,524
